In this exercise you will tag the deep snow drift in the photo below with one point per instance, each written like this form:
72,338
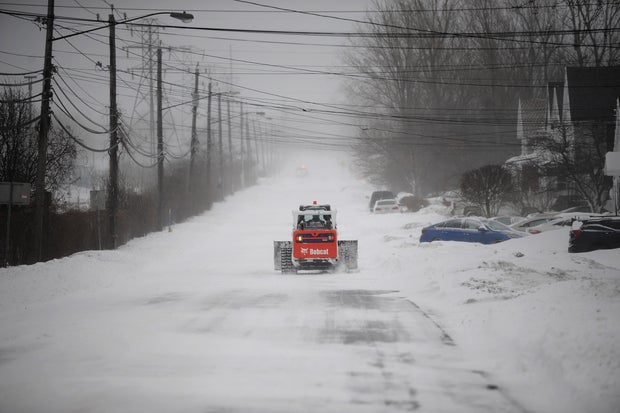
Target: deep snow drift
543,322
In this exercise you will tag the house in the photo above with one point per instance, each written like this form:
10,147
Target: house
578,111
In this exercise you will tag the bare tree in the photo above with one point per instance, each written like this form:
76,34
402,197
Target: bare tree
439,78
542,51
403,70
574,158
594,35
488,187
18,144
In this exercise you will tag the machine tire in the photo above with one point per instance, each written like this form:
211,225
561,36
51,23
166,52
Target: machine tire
286,261
348,251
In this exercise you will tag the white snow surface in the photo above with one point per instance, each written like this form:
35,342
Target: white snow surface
124,330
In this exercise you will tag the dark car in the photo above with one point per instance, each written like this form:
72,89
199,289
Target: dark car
377,195
480,230
595,234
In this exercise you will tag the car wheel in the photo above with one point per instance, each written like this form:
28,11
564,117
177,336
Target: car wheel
436,239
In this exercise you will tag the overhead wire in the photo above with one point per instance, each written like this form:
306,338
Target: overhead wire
64,110
78,141
22,73
309,102
420,33
26,99
21,84
21,125
79,110
77,95
525,6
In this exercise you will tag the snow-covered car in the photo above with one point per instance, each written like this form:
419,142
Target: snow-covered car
532,221
507,219
377,195
482,230
386,206
558,221
595,234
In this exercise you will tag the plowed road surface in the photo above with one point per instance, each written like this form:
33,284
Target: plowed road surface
197,320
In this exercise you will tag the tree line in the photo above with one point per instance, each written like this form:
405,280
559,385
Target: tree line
68,229
443,78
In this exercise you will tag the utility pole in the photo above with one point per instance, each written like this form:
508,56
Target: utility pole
220,186
256,139
194,142
230,151
43,129
248,170
209,147
160,147
241,130
263,144
151,88
113,184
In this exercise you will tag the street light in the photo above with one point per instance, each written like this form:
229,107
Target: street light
183,16
44,122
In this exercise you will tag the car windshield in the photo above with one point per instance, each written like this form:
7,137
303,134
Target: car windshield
320,221
472,224
453,223
387,202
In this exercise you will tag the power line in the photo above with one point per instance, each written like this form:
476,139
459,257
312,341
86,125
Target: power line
417,32
79,111
77,95
26,99
34,72
20,126
76,140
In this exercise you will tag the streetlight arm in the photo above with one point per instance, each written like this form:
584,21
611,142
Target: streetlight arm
184,17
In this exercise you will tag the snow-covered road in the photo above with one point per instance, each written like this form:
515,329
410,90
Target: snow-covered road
197,320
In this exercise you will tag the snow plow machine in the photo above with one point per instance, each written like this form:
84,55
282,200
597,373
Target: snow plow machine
315,245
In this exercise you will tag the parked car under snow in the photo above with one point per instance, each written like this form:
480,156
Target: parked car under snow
480,230
595,234
386,206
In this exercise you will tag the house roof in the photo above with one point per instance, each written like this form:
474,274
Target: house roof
593,92
538,157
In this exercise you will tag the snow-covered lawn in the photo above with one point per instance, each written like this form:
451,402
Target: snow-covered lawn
544,323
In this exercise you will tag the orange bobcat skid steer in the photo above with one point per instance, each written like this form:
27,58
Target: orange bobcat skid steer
315,244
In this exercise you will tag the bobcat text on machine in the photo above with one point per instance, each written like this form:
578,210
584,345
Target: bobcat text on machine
315,244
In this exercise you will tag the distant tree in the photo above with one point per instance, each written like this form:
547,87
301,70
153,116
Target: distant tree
18,144
488,187
435,81
594,35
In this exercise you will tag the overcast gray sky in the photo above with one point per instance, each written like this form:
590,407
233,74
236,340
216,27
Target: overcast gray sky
253,71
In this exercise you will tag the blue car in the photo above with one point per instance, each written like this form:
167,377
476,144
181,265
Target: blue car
480,230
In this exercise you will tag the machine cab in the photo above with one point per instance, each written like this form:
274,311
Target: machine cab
314,233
